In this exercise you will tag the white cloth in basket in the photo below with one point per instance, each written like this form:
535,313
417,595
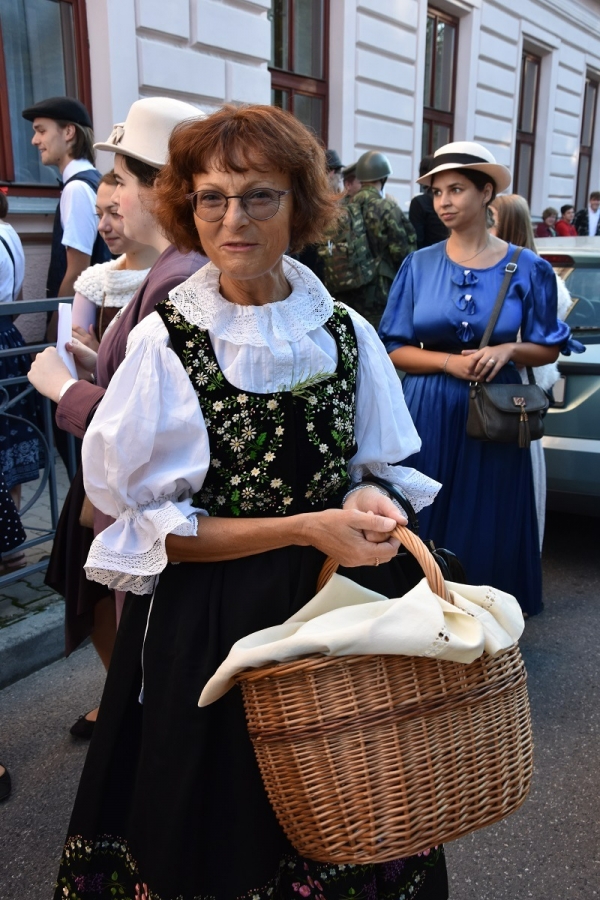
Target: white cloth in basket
344,619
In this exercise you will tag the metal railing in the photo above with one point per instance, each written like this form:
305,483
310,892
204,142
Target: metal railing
45,437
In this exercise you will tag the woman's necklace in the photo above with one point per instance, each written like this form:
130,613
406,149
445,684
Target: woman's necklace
469,258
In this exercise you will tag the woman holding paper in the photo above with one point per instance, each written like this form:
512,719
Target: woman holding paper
237,438
101,291
140,144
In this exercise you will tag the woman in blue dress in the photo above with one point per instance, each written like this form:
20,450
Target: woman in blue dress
437,312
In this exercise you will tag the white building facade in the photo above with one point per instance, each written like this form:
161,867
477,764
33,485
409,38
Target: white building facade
402,76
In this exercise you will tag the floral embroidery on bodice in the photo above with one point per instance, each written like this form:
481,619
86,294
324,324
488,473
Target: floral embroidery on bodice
278,453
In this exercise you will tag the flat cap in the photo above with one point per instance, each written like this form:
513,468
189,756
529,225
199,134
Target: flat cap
66,108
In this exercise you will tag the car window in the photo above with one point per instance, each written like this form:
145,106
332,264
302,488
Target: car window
584,287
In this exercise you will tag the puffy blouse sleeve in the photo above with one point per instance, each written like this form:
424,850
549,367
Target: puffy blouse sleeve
396,328
384,431
145,455
540,324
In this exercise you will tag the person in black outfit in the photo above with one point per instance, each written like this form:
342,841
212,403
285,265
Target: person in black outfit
429,227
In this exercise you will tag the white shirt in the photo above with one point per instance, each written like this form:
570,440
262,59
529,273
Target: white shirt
593,221
11,278
78,209
146,452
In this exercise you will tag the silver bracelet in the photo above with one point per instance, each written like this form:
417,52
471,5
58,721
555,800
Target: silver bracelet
375,487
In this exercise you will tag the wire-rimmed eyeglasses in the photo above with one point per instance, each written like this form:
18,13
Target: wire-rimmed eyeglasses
258,203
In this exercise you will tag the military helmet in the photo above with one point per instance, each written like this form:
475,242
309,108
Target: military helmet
373,166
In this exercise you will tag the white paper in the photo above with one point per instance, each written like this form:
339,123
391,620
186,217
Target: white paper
65,333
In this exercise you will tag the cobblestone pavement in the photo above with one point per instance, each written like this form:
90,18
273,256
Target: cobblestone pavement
30,595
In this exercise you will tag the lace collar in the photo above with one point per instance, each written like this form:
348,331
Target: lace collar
308,307
110,281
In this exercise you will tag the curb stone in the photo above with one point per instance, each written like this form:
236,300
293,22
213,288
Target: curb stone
32,643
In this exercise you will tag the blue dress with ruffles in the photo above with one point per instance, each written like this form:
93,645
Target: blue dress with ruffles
485,511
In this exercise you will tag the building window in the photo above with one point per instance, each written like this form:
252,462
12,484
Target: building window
440,76
299,60
526,124
586,144
43,53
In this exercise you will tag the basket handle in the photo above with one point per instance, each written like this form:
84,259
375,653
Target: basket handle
414,545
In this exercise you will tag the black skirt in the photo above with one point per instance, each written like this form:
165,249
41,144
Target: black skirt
65,573
12,532
171,796
19,443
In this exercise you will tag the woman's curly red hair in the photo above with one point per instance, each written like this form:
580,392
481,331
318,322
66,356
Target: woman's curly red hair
237,138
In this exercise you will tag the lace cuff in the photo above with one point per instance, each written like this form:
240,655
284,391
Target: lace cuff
130,553
419,489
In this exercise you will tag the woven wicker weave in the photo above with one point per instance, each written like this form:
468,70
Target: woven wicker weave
371,758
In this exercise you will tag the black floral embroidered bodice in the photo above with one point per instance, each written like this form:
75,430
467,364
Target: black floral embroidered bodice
271,454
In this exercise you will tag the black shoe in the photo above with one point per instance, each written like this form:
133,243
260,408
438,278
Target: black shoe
83,728
5,785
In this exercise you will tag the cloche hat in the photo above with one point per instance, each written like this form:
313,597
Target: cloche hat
468,155
145,133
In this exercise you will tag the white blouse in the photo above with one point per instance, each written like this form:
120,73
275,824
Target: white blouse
146,452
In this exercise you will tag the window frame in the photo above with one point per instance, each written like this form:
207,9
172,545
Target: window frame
84,81
586,150
431,115
527,137
293,83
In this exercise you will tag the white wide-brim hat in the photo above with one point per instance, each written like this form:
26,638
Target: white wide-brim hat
145,133
468,155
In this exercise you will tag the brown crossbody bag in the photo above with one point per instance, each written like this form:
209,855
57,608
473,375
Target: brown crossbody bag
506,413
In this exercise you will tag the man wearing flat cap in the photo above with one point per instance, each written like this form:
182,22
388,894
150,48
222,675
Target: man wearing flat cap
63,135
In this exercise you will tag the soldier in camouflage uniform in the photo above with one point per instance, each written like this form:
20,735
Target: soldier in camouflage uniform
391,236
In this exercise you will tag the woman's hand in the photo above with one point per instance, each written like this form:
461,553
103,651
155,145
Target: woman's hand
373,501
48,373
85,358
87,338
460,366
486,363
340,533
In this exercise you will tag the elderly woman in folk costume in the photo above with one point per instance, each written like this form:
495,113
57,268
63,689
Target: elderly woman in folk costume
234,448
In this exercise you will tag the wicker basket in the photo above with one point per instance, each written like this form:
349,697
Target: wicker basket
371,758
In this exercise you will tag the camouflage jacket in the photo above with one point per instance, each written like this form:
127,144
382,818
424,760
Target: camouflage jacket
391,238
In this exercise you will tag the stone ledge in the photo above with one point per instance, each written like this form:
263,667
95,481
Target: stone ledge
32,643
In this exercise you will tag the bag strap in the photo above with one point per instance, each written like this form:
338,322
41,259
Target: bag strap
509,271
12,259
